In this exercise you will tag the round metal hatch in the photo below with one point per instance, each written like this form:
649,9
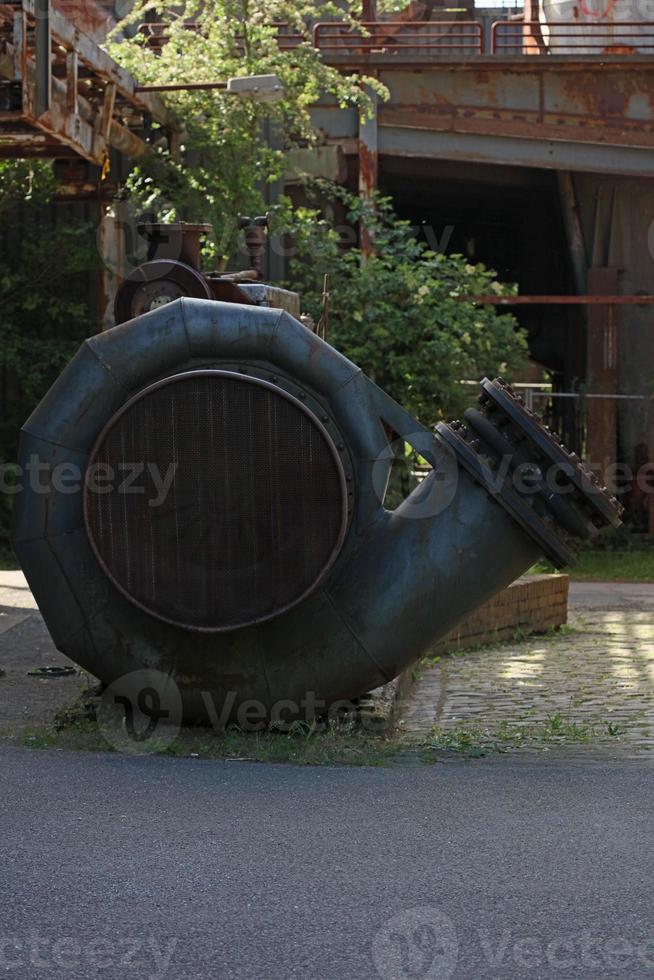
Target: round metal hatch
215,500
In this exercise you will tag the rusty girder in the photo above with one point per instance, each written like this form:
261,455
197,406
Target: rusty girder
61,94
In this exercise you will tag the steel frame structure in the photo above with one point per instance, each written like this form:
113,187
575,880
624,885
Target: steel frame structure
61,95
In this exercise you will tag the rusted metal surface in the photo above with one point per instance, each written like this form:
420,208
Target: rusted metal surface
155,284
255,232
580,113
184,87
70,97
556,113
599,104
94,18
173,270
495,149
368,153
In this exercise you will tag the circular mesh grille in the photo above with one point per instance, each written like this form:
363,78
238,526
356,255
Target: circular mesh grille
238,508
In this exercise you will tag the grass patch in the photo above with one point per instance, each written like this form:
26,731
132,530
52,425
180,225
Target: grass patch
556,731
332,747
302,745
350,742
617,555
607,566
343,743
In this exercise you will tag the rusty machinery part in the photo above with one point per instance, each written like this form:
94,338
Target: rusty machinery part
255,231
546,488
400,580
255,514
155,284
226,290
177,240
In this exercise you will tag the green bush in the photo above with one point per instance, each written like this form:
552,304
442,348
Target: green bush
47,302
401,313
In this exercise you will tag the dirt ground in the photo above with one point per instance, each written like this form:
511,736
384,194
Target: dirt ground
29,701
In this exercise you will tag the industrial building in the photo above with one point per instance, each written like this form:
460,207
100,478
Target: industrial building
519,137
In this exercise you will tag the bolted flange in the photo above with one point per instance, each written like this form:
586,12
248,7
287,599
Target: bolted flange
547,489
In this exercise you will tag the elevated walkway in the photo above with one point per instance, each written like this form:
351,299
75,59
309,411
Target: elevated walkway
582,112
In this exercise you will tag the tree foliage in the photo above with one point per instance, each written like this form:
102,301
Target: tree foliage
224,164
401,314
45,297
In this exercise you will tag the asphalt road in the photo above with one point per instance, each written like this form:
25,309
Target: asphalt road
180,868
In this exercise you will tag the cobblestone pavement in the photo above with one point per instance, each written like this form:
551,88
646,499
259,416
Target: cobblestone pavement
587,690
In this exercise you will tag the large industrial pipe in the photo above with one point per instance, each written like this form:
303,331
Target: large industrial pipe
228,527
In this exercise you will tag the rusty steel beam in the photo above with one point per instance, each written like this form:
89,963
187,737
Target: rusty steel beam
549,154
89,16
99,63
398,61
475,121
600,105
42,57
184,87
368,151
78,132
554,113
69,123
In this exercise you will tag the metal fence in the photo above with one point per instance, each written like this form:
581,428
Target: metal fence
458,37
421,37
573,37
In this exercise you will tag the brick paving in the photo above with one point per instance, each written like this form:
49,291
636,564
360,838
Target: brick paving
587,690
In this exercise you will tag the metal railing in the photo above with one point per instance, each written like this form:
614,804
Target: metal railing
424,37
573,37
438,38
